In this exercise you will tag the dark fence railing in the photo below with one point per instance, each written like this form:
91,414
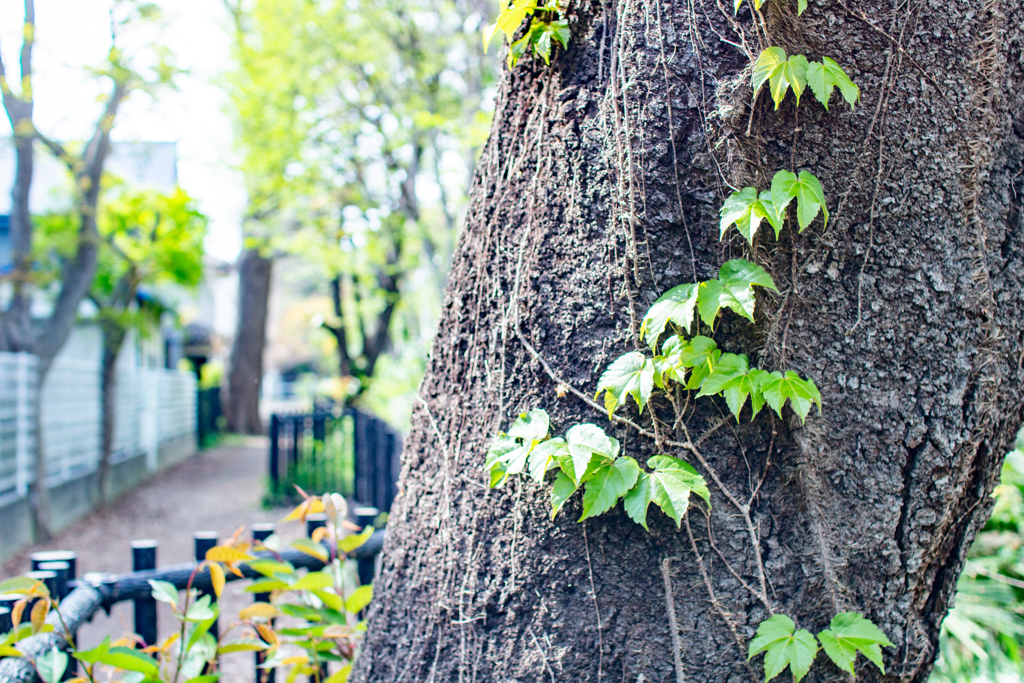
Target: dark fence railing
81,598
208,414
335,451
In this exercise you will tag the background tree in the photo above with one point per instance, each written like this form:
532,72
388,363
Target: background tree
149,240
385,100
600,189
127,72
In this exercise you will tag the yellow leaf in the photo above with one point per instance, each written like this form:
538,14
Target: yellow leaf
318,534
19,608
124,642
350,543
268,634
259,610
339,676
241,646
8,651
332,600
306,507
39,612
216,577
222,553
297,659
307,546
78,679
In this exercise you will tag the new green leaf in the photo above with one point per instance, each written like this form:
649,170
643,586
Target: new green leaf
583,443
824,76
561,491
781,74
733,378
51,664
783,646
733,290
850,633
700,354
801,393
746,209
631,374
807,191
669,486
607,484
676,305
669,365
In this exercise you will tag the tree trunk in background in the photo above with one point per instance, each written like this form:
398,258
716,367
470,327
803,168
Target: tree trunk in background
113,339
598,191
246,371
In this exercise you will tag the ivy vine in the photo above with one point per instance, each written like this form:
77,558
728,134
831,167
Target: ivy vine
688,358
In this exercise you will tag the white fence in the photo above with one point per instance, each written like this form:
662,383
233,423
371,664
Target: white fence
152,407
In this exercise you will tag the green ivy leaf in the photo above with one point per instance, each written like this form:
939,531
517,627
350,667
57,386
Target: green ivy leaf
51,665
780,73
607,484
675,305
561,491
583,443
543,457
747,209
807,191
824,76
736,381
757,5
733,290
801,393
560,32
669,365
669,486
800,7
700,354
531,425
631,374
510,18
164,592
849,633
782,647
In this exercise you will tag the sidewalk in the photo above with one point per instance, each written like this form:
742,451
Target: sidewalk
218,490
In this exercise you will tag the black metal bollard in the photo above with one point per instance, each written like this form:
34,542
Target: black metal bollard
314,521
204,540
69,556
62,570
275,455
5,620
144,557
261,532
366,567
48,578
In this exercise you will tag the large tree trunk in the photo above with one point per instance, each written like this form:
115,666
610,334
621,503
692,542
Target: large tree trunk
598,191
246,372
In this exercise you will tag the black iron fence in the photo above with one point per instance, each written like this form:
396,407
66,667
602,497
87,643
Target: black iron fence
81,598
208,413
335,451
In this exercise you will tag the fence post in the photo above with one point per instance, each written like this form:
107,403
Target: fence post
144,557
204,540
275,458
261,532
365,434
23,425
366,567
382,470
69,556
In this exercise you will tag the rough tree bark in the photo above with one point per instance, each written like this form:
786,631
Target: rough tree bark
599,189
246,363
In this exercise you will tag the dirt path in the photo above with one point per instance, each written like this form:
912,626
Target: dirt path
218,490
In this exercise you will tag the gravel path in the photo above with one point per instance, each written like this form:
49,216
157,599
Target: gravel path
219,490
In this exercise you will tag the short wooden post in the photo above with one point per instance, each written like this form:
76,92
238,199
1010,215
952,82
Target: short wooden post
261,532
204,540
5,620
366,567
275,455
143,558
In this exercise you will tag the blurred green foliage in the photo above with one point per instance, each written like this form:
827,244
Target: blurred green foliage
358,123
983,635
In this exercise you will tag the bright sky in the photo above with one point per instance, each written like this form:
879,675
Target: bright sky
73,34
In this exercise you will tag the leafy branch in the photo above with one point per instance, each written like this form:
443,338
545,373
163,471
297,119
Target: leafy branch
548,26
